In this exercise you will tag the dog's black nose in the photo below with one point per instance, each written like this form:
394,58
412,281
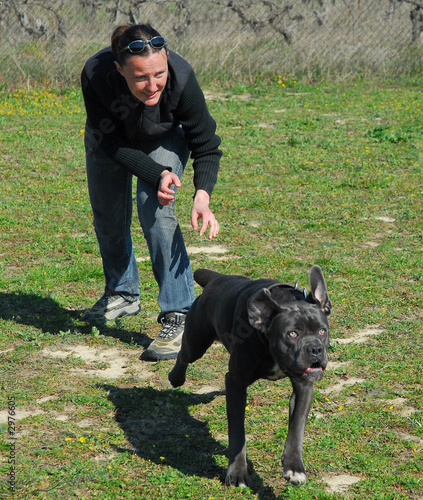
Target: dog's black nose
315,350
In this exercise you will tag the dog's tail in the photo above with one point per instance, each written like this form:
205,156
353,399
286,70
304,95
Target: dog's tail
204,276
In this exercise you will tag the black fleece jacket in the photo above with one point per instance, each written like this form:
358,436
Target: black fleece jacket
118,123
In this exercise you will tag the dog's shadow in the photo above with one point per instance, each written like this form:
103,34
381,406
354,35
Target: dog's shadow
47,316
160,428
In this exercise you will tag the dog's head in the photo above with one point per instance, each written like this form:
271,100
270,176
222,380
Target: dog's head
295,325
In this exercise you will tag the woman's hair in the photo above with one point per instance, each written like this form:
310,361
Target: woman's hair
124,34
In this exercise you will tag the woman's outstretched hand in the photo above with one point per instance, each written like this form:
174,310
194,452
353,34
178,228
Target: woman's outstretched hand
201,210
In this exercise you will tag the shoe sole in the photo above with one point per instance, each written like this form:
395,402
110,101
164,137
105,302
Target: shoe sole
150,355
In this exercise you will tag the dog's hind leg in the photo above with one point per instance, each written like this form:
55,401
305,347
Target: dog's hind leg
198,337
236,398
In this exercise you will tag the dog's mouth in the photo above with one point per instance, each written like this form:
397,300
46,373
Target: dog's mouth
314,372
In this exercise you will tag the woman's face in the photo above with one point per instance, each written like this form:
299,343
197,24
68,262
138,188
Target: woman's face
146,76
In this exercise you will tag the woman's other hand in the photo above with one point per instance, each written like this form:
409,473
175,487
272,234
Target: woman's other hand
165,193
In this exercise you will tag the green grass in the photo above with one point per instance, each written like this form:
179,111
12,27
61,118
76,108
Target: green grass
324,174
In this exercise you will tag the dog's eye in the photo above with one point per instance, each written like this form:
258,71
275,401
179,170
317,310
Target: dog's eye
293,335
322,331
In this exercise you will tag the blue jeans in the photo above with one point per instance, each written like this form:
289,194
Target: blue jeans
110,190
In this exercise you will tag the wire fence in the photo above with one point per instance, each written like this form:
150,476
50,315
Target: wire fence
48,41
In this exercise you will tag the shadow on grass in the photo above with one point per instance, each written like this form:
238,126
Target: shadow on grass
159,427
45,314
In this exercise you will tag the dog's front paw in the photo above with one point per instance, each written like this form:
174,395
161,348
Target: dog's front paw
178,374
295,478
176,378
293,468
237,477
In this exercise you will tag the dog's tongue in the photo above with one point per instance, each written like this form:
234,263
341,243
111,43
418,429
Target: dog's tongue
314,374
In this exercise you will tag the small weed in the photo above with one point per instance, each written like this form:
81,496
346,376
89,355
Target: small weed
380,134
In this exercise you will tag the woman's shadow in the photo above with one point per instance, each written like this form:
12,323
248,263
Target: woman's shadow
47,316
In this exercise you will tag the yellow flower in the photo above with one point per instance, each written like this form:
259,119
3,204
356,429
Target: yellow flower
82,439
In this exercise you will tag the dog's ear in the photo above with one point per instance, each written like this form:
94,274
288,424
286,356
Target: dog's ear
261,309
318,289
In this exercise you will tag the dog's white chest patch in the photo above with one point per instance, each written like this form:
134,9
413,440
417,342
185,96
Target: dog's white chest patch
276,373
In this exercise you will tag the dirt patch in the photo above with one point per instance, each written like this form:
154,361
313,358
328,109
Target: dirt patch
213,96
20,414
62,417
105,362
209,250
45,399
409,437
401,404
340,483
86,422
264,125
143,259
208,389
362,336
6,351
335,365
335,389
385,219
69,413
105,459
370,244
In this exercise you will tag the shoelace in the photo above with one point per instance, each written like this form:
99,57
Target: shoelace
169,327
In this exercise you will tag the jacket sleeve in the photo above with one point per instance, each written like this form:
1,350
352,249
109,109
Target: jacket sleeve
106,132
200,133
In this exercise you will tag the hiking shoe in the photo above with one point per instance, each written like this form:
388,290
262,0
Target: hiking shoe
168,343
111,307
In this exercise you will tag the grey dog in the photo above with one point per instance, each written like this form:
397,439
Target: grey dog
271,330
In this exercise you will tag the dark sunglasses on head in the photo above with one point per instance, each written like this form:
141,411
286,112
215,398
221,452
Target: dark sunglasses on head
137,46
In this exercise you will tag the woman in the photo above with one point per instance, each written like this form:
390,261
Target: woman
146,114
